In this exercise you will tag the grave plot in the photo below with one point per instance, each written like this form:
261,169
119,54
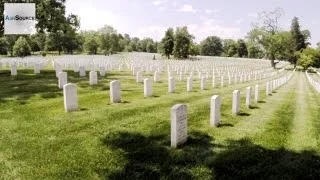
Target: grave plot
118,127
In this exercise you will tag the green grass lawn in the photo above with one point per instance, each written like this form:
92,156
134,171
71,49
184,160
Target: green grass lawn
277,139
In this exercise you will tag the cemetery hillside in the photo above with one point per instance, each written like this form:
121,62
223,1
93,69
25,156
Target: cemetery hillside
109,98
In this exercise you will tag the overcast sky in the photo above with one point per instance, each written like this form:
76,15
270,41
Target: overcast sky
223,18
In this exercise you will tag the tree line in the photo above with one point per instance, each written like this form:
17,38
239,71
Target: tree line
59,32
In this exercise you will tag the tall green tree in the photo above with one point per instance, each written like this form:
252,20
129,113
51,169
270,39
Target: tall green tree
151,47
255,50
194,49
308,57
167,43
264,30
40,39
114,42
211,46
33,43
182,43
242,48
55,41
91,45
3,46
21,48
284,46
229,47
143,44
71,39
107,29
135,44
11,39
297,36
299,39
105,43
318,45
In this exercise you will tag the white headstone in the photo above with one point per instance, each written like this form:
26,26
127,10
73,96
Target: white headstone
268,89
156,77
135,70
115,92
147,87
179,125
248,97
215,111
58,69
14,70
139,77
102,71
82,71
171,85
70,97
181,77
222,81
236,102
37,68
63,79
214,80
75,67
257,94
93,77
189,84
203,83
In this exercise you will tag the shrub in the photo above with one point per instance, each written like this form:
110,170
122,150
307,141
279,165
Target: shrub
44,54
21,48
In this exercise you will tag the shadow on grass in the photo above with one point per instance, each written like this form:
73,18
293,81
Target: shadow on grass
49,95
254,107
127,90
26,84
245,160
225,125
150,157
262,102
244,114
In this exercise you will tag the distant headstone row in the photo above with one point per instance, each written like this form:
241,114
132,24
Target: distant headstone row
314,83
179,114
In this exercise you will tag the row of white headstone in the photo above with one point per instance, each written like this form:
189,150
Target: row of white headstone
314,83
93,76
14,72
179,119
219,66
71,97
115,90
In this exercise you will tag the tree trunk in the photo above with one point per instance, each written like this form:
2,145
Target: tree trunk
272,58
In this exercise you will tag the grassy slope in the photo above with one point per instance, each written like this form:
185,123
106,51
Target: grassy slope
131,140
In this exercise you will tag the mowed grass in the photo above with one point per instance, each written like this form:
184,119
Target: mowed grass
131,140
